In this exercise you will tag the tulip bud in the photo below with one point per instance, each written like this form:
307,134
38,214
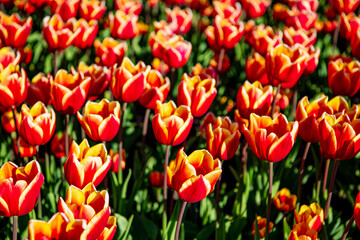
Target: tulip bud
156,179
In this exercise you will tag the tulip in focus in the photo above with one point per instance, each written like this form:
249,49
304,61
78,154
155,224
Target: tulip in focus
284,200
109,52
313,215
194,176
14,31
53,229
171,124
19,188
86,164
100,121
303,231
92,9
262,226
65,8
255,8
88,31
156,179
123,26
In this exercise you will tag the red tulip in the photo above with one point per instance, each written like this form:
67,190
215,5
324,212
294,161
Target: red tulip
19,188
255,69
227,10
115,157
203,73
355,44
7,120
156,179
53,229
57,144
65,8
301,36
345,6
284,200
123,26
279,12
109,52
214,63
261,226
92,9
8,56
312,60
39,89
312,215
303,231
357,210
129,6
14,31
349,24
87,34
180,19
309,5
255,9
300,19
26,54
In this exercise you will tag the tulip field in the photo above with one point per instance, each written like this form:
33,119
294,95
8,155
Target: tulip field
179,119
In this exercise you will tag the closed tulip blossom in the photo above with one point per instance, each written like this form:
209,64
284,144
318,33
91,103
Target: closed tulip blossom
65,8
261,226
193,177
270,140
92,9
57,35
39,89
285,65
301,36
37,125
19,188
13,86
69,91
129,6
115,158
7,120
109,52
355,44
180,18
86,164
223,138
225,34
87,34
88,212
196,93
253,98
156,89
345,6
101,121
255,69
284,200
227,10
300,19
9,56
255,9
303,231
215,63
128,82
349,24
171,124
123,26
312,215
156,179
14,31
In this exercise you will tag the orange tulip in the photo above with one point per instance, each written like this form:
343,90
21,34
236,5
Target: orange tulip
109,52
37,125
252,98
129,6
101,121
156,89
87,34
86,164
301,36
344,76
57,144
14,31
355,44
285,65
225,34
300,19
181,19
88,212
92,9
123,26
65,8
270,140
261,226
7,121
222,139
214,63
100,77
13,86
53,229
196,93
349,24
57,35
227,10
171,125
194,176
8,56
255,69
357,210
312,215
156,179
345,6
255,9
19,188
302,231
115,160
128,82
284,200
39,89
69,91
26,150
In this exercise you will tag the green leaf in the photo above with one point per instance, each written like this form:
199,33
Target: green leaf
171,227
286,228
257,234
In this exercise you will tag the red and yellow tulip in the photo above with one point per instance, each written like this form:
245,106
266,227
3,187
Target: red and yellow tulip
123,26
14,31
92,9
109,52
261,226
312,215
284,200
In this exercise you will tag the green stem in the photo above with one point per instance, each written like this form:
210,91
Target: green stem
178,224
66,135
121,129
331,186
268,212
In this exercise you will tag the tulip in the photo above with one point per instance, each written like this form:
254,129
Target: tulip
309,5
344,76
132,7
270,140
14,31
222,140
209,119
355,44
255,9
302,231
203,73
87,34
284,200
225,34
92,9
110,52
89,212
312,215
156,179
279,12
26,54
312,60
7,120
26,150
181,19
128,82
69,91
85,165
101,121
330,26
262,37
253,98
285,65
171,125
194,176
261,226
8,56
300,19
39,89
37,125
13,86
226,10
357,211
115,158
65,8
123,26
53,229
100,77
19,188
156,89
349,24
255,69
57,144
220,65
57,35
196,93
25,6
160,66
345,6
301,36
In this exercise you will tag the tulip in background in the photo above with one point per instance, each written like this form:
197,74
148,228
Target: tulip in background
88,31
261,222
284,200
301,36
57,144
312,215
345,6
227,10
39,89
123,26
255,69
181,19
86,164
302,231
255,9
92,9
9,56
65,8
115,158
156,179
26,150
357,210
14,31
129,6
349,24
7,121
109,52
